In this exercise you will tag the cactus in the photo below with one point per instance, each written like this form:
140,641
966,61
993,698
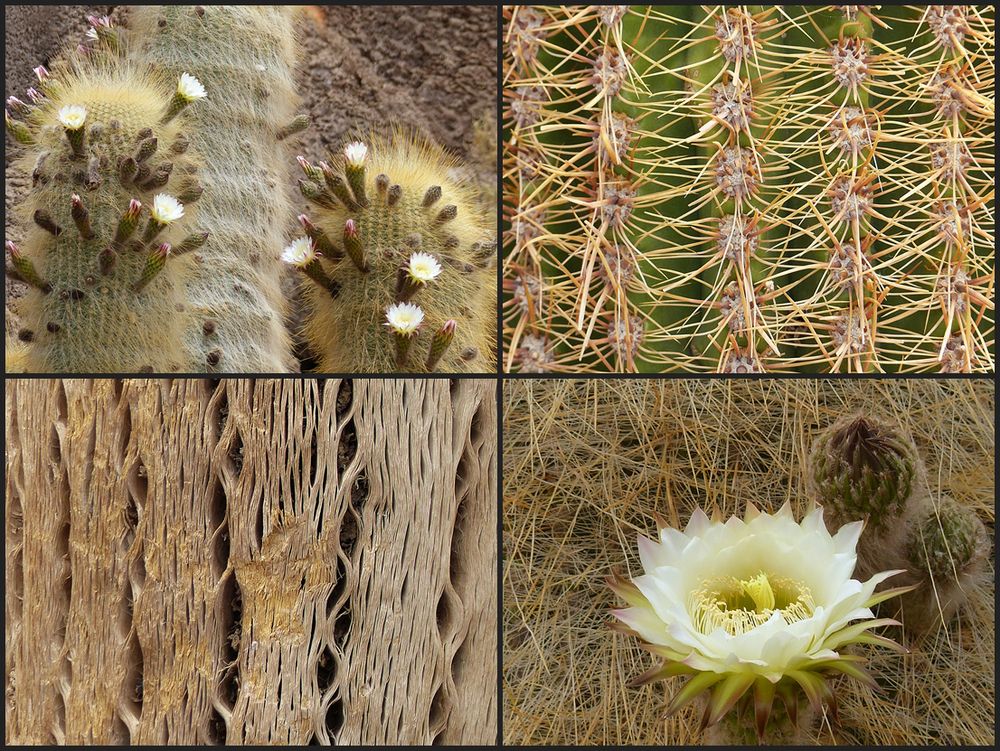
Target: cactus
244,56
792,189
105,255
860,468
106,297
400,262
946,550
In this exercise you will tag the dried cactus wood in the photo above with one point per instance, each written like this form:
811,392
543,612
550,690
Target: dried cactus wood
244,56
749,188
401,258
262,562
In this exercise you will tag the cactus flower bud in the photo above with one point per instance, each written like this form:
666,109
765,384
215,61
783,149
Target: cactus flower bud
338,187
356,154
81,217
42,73
313,193
18,130
23,269
17,107
440,343
320,239
192,242
299,123
311,171
352,243
128,222
155,261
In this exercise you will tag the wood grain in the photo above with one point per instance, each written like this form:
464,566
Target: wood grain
251,561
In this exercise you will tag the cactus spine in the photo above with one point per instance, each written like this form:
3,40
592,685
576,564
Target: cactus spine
244,56
104,254
859,188
400,261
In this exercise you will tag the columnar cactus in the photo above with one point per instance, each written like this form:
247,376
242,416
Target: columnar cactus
244,56
401,262
749,188
110,213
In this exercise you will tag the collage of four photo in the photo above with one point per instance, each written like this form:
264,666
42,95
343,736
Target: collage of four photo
495,375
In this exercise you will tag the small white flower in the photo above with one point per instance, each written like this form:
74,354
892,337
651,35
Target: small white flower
72,116
404,318
166,209
300,253
356,153
424,267
190,88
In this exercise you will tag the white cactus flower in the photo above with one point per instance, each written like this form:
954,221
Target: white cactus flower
404,318
190,88
424,267
356,153
760,603
300,253
166,209
72,116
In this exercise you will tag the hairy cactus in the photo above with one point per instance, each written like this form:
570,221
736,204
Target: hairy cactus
861,468
749,188
105,252
113,156
946,548
401,262
244,56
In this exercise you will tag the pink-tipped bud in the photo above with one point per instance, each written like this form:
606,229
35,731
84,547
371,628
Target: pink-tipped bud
309,169
42,72
134,207
440,342
352,244
35,95
24,270
81,217
17,107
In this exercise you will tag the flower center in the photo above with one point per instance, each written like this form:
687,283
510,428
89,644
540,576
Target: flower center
741,605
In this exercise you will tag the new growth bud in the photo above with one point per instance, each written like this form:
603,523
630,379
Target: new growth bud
355,154
352,243
440,343
155,262
23,269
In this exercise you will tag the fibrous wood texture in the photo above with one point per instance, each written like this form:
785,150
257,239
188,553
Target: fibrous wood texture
250,562
589,463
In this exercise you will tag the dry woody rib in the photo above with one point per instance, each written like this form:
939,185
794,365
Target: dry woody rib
251,562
